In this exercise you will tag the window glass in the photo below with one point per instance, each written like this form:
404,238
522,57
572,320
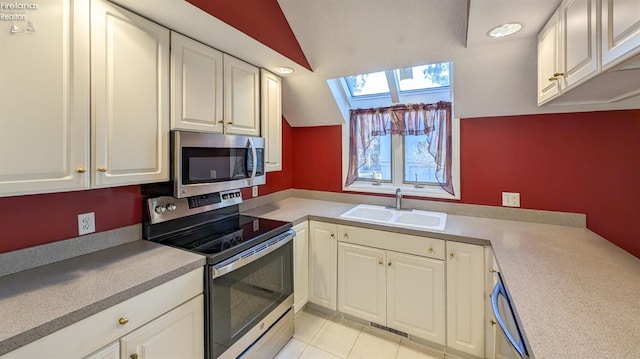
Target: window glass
375,162
423,77
367,84
419,164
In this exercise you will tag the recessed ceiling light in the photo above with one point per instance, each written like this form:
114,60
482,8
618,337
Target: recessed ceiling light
283,70
505,29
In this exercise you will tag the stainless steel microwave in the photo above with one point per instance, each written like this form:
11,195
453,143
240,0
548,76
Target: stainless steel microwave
211,162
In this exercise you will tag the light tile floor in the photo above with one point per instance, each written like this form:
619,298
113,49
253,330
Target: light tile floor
319,337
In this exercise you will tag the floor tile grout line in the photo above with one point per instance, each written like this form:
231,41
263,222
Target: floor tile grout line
354,344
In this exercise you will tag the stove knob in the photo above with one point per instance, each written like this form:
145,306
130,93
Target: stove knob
160,209
171,207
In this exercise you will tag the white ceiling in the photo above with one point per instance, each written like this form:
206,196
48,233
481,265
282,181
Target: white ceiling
492,77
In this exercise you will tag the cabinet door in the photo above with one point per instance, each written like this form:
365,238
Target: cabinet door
362,282
44,101
196,86
620,31
465,297
271,119
323,264
130,93
548,86
111,351
176,334
301,266
579,42
415,296
241,97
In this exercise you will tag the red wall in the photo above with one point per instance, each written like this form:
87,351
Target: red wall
263,20
27,221
577,162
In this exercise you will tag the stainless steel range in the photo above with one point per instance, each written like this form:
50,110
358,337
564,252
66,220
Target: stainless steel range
249,275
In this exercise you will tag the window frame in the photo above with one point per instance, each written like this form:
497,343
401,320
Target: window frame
397,143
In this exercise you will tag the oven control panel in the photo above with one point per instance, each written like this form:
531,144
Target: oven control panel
166,208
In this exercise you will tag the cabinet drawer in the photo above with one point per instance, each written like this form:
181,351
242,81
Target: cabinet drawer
89,334
404,243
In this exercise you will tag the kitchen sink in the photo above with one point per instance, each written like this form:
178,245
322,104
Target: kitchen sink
414,219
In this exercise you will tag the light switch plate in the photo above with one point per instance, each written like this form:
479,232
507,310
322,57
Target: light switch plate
254,191
511,199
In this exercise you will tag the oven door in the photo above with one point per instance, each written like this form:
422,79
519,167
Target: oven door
208,162
248,294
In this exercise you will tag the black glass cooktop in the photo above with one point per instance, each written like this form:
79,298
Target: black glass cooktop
227,237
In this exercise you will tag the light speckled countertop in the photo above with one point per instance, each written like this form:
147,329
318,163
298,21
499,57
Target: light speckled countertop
39,301
577,295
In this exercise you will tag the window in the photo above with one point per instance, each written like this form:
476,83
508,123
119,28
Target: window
389,157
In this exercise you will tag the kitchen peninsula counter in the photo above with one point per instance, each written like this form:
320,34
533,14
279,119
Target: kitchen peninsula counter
42,300
576,294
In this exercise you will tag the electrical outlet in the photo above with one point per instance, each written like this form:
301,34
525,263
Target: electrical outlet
86,223
511,199
254,191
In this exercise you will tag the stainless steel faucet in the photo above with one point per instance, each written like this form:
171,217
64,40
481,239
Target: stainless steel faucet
398,199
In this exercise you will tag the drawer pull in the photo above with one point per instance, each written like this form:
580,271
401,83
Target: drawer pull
333,235
451,255
346,235
430,249
492,322
134,356
380,261
123,321
491,270
102,169
81,170
389,264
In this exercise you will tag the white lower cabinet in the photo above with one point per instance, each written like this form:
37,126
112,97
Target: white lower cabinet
300,266
177,334
111,351
400,291
323,264
465,298
164,322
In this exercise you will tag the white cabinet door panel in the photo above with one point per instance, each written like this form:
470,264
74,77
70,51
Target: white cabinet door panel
111,351
323,264
465,298
579,44
362,288
44,100
130,115
177,334
620,31
241,97
271,119
196,85
415,296
301,266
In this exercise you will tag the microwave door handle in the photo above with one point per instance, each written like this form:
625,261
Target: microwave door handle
255,161
497,291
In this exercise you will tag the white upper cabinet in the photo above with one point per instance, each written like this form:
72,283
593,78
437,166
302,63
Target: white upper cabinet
582,48
130,97
548,86
44,100
578,42
241,97
620,31
271,117
196,86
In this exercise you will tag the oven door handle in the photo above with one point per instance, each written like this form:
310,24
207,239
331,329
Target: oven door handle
240,260
254,156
